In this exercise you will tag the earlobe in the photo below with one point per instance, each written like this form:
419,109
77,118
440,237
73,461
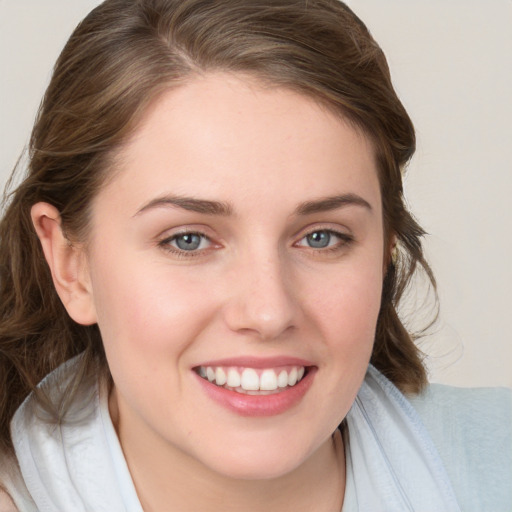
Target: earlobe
67,264
391,253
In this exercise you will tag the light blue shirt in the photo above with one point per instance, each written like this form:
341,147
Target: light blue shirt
472,431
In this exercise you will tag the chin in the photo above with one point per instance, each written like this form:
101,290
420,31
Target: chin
259,460
267,468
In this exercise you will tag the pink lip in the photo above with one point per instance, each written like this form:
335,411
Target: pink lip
257,405
258,362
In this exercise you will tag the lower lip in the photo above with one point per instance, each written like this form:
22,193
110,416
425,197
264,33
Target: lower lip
259,405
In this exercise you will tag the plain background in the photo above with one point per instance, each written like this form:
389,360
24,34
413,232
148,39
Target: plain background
451,65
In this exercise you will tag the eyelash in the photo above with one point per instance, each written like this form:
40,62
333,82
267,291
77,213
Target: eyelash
344,240
165,244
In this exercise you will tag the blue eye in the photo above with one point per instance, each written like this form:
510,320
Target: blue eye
187,242
319,239
325,239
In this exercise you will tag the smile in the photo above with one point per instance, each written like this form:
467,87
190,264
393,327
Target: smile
254,386
253,381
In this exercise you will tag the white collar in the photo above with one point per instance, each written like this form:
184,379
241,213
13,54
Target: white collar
77,465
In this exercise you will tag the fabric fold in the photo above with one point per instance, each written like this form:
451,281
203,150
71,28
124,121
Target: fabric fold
76,465
393,463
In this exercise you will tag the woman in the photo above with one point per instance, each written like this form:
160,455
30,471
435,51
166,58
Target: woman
207,253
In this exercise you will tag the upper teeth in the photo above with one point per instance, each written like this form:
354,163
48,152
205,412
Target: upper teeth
250,379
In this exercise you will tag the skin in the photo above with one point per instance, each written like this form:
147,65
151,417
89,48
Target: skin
255,287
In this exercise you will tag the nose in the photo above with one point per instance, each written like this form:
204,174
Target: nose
262,298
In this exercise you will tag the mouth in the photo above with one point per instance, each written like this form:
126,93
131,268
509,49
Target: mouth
253,381
250,387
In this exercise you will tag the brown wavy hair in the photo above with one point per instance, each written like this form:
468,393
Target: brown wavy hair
121,57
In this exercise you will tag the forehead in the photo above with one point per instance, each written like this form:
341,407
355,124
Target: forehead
223,135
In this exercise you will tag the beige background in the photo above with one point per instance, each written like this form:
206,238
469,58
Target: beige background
451,64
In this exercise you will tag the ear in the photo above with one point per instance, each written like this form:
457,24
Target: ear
68,264
391,252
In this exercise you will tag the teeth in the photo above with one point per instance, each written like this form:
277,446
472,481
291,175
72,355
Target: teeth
251,380
220,377
233,378
292,377
282,380
268,380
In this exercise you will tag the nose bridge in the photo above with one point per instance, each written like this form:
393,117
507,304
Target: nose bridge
263,301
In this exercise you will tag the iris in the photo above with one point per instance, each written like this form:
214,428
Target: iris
319,239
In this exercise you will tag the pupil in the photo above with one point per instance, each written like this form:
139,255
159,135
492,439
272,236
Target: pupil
319,239
188,242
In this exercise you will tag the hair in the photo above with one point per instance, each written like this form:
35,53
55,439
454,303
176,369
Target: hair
121,57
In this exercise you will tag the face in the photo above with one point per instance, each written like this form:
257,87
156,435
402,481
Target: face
236,267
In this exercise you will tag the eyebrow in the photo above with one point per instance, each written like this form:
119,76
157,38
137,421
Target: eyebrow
209,207
189,203
331,203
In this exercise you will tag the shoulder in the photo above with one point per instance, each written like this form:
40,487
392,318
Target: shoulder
480,413
481,417
472,430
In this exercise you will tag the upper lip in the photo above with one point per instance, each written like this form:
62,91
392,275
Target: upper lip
257,362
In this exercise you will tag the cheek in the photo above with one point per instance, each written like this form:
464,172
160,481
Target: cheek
345,315
346,318
349,304
146,309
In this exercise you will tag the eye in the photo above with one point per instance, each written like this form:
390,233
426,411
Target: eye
187,242
324,239
319,239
